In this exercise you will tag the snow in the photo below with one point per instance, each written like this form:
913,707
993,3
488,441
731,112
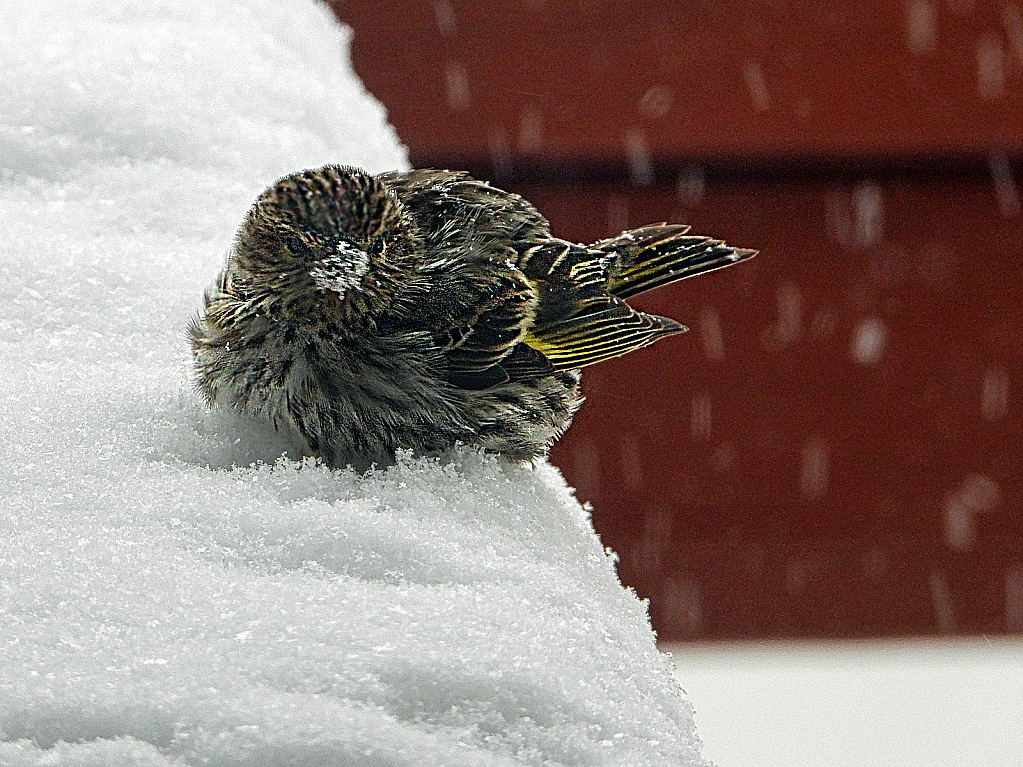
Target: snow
894,703
173,592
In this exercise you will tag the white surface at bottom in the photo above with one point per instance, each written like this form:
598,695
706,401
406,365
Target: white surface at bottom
875,704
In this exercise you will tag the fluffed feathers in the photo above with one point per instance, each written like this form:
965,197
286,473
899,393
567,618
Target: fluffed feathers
368,314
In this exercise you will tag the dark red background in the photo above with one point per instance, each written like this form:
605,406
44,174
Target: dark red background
834,449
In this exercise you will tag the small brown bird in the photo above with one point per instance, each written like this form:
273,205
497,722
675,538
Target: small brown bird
365,314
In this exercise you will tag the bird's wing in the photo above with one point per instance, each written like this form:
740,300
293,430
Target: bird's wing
477,317
577,322
522,363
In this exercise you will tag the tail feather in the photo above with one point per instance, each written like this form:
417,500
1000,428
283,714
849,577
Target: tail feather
658,254
582,341
581,317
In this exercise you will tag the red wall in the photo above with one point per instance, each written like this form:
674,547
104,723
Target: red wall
834,449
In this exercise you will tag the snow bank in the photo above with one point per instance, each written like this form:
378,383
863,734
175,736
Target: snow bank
159,607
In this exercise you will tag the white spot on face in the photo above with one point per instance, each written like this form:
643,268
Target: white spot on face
342,270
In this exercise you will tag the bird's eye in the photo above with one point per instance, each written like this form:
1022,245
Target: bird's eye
377,246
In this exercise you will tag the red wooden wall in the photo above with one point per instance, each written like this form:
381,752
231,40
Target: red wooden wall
834,449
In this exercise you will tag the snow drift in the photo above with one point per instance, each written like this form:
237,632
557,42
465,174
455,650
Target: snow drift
174,592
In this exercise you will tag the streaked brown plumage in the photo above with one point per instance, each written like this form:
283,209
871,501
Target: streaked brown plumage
368,314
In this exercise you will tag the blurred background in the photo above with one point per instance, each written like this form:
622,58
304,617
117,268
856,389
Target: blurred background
833,450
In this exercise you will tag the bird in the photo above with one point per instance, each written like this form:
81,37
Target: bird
363,315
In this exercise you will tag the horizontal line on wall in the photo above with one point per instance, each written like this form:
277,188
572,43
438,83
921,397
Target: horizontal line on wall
666,171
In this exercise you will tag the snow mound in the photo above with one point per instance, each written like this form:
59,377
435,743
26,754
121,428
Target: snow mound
158,605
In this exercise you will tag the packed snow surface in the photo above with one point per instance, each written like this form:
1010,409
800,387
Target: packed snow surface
946,702
172,591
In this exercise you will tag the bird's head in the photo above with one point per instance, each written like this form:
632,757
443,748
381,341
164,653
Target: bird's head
333,240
